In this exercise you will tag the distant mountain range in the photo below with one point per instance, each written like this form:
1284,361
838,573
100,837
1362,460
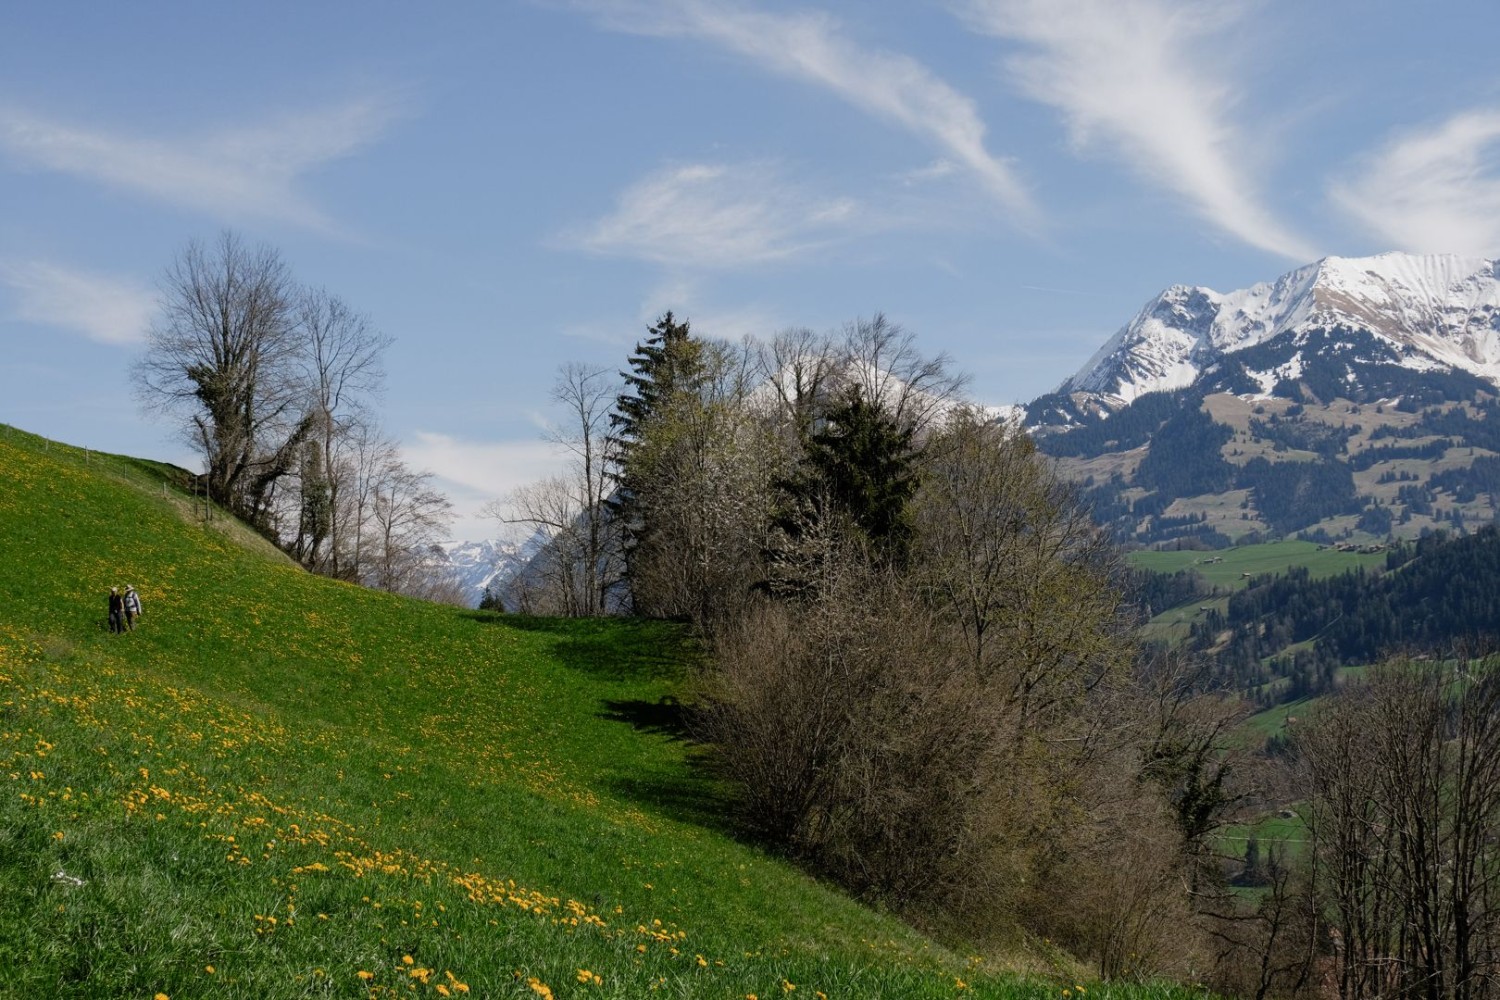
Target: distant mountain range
1351,397
478,565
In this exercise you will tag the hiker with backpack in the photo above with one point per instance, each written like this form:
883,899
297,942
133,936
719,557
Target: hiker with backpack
132,606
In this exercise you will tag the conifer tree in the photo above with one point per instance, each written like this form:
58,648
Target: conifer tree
865,457
664,374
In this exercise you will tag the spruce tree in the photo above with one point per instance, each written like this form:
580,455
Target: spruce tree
665,372
865,458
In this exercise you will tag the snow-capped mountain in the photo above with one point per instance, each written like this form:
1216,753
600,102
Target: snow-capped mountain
1423,313
479,564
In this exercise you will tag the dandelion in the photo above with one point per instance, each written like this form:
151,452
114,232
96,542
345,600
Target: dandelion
540,988
208,969
366,976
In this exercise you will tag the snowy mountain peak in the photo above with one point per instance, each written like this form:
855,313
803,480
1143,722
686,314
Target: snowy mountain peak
1433,311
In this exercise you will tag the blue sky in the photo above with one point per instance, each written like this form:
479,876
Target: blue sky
504,187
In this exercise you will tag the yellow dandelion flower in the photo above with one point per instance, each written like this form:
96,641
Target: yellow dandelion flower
208,969
408,960
367,976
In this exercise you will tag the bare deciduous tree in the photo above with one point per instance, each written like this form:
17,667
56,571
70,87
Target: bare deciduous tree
340,361
579,570
1403,775
222,355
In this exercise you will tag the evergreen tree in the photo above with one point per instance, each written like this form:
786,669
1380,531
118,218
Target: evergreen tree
866,460
491,599
666,372
667,363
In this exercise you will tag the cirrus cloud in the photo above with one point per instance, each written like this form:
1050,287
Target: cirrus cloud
813,47
235,173
1135,75
106,309
718,216
1435,190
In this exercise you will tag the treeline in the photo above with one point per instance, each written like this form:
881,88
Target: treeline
274,383
1436,594
922,676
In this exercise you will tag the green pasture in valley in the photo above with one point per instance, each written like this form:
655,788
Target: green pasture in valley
1228,567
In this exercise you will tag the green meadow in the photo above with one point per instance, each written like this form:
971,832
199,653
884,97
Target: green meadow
284,786
1228,567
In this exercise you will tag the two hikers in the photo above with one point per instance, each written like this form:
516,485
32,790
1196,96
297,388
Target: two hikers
124,609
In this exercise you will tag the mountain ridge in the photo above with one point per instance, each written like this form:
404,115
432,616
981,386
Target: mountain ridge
1436,313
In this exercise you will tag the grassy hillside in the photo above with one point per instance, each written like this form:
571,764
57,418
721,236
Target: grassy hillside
281,785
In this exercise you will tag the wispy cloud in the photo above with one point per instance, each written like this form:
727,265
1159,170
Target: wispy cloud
1435,190
813,47
106,309
234,173
1138,75
707,215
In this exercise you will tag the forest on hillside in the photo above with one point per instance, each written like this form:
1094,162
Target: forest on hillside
1284,636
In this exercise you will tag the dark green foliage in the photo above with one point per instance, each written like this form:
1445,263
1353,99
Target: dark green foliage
669,361
667,366
1130,428
1436,595
1293,495
1375,520
1302,435
1449,594
1184,459
865,461
1370,457
1156,592
491,599
1466,484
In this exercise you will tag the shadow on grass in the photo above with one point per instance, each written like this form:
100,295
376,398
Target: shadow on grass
641,650
665,717
695,794
615,649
